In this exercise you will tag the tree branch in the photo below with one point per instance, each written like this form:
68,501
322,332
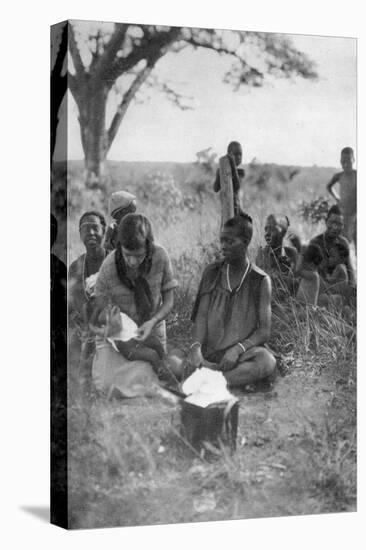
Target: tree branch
112,47
222,50
178,99
150,46
75,54
127,98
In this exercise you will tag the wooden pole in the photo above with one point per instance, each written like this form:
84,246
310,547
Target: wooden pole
226,190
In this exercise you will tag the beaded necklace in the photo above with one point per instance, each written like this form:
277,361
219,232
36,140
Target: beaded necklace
242,279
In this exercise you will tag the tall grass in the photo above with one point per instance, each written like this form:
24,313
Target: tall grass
128,462
180,224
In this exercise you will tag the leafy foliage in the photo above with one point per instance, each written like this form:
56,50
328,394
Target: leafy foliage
315,210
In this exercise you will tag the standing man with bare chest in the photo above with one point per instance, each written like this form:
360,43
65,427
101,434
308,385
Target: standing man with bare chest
347,196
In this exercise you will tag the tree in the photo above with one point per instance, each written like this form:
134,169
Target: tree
123,56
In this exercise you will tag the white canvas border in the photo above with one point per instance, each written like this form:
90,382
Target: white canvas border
25,395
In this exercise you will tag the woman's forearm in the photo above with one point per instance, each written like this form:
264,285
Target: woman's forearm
166,306
258,338
199,330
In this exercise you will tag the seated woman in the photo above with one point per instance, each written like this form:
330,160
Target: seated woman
336,289
326,241
277,260
232,312
137,277
82,276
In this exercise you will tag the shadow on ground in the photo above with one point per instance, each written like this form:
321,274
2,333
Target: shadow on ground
40,512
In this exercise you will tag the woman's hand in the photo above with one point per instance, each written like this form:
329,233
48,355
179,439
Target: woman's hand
145,330
98,331
230,358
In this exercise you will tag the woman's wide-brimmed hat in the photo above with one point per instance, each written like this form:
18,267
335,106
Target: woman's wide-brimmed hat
120,200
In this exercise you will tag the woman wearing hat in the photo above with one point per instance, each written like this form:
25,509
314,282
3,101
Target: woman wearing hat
121,203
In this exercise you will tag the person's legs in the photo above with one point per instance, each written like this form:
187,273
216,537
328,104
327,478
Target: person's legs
137,351
255,364
154,343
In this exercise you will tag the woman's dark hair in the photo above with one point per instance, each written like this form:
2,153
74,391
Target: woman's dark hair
243,223
334,210
93,213
135,231
342,249
313,254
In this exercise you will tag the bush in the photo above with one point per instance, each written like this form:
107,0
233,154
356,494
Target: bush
314,211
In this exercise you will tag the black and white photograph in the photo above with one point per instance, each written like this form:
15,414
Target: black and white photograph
204,274
182,309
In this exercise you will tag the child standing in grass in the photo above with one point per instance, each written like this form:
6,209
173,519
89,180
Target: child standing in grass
235,155
347,197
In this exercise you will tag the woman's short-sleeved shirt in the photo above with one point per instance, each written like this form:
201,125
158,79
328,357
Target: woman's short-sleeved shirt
160,279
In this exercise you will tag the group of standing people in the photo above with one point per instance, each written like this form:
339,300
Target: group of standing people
123,269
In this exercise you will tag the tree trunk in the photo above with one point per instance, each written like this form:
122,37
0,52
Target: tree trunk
94,138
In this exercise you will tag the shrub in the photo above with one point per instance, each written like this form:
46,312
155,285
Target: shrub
314,211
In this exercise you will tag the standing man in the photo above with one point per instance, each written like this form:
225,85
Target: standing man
347,197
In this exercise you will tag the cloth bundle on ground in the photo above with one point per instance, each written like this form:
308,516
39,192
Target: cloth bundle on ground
112,372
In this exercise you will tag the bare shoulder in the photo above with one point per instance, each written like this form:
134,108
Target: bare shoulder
76,266
336,177
342,239
291,252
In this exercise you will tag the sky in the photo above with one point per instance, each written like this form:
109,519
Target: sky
296,122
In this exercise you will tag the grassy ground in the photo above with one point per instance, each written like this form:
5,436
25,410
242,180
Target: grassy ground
128,464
